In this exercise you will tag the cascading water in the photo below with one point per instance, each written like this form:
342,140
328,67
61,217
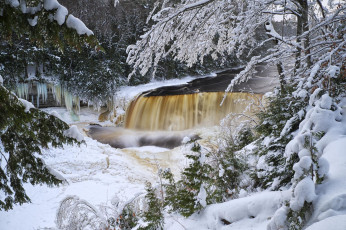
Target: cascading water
165,120
182,112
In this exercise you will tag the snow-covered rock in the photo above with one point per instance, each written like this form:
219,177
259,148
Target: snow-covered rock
73,132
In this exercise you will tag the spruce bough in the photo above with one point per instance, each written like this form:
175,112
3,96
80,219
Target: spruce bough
22,135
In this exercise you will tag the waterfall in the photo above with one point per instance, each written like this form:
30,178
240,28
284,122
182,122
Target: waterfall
181,112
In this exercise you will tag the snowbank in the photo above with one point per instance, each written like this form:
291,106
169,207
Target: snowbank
93,172
252,212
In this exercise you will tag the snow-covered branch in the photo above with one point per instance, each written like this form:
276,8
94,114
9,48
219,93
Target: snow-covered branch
58,12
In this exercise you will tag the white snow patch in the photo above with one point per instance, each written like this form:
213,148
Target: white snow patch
33,22
14,3
28,105
326,102
56,114
75,23
331,193
73,132
252,212
333,71
304,191
202,196
61,14
51,4
279,219
334,222
186,140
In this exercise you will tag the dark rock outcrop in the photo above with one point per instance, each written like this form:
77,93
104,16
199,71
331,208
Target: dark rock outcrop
263,81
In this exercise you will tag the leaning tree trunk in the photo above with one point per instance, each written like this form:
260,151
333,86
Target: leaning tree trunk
279,65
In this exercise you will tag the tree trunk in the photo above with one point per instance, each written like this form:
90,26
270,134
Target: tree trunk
279,65
302,27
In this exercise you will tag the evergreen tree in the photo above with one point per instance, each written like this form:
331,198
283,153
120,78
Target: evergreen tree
192,192
127,219
230,165
271,143
22,135
153,216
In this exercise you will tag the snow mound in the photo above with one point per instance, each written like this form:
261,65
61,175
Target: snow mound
242,213
337,223
73,132
332,192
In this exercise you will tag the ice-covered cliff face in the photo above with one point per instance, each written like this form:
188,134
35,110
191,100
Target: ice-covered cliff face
47,95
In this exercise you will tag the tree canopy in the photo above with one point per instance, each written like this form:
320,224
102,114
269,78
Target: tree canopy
192,29
44,22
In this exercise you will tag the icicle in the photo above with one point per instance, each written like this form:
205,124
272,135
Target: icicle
57,92
68,100
42,92
23,90
37,101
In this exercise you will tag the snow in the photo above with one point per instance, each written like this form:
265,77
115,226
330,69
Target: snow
250,212
278,222
14,3
186,140
333,71
33,22
51,4
202,196
75,23
1,80
332,192
28,105
338,222
130,92
61,14
61,11
303,165
304,191
94,172
73,132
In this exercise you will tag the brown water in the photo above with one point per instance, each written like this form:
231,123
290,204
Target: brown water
125,138
182,112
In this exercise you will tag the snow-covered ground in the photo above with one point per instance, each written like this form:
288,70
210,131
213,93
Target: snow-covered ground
94,172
